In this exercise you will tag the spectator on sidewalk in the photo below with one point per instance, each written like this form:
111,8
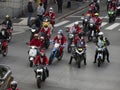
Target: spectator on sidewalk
45,2
68,3
40,10
60,4
30,11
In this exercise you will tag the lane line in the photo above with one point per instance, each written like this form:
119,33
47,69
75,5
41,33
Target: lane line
103,24
111,27
61,23
69,25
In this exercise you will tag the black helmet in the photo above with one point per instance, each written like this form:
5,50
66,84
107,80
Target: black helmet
14,85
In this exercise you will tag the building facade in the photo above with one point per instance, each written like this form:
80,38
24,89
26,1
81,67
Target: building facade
14,8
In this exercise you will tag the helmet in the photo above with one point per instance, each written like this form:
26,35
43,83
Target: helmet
76,23
45,24
60,31
14,84
51,9
42,37
100,33
36,35
7,16
42,52
96,14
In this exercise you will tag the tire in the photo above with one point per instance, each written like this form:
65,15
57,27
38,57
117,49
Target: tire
31,63
50,59
89,38
79,62
99,62
47,45
69,49
39,82
10,38
5,53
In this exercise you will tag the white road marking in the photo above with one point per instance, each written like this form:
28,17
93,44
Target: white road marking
69,25
106,17
111,27
103,24
18,33
61,23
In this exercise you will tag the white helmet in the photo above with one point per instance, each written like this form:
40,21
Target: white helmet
76,23
51,9
100,33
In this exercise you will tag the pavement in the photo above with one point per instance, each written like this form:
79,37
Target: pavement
75,6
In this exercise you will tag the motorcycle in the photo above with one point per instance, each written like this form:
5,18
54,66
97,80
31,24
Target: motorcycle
112,16
46,40
32,54
47,19
92,32
70,41
118,10
34,30
2,50
100,55
42,73
78,53
85,24
55,53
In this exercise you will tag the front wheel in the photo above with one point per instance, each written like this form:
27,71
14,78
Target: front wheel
79,62
50,59
31,63
99,62
39,82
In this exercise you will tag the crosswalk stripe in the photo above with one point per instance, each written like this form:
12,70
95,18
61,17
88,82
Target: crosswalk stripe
69,25
61,23
103,24
112,26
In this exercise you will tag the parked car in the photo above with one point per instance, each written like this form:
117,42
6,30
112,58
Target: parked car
5,77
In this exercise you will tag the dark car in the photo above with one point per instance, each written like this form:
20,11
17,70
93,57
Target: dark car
5,77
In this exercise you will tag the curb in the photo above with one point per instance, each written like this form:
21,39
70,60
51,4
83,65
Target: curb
72,12
61,17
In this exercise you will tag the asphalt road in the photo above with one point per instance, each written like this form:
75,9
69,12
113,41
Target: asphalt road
62,75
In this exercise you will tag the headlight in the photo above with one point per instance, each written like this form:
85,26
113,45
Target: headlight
86,20
80,49
71,35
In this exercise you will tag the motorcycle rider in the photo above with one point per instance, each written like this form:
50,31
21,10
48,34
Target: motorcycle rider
45,30
97,21
76,28
35,41
113,6
41,59
61,39
13,86
79,42
7,22
51,14
4,37
105,42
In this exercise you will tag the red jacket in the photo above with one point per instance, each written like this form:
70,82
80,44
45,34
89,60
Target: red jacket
35,42
51,15
12,89
61,41
39,60
77,29
113,7
76,39
46,32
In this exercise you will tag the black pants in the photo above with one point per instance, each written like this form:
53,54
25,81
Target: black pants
59,8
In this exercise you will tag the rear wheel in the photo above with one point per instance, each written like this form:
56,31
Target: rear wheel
5,52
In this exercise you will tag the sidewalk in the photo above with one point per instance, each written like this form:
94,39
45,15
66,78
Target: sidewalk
75,6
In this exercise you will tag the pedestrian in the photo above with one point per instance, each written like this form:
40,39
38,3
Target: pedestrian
69,4
30,11
45,3
59,3
40,10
